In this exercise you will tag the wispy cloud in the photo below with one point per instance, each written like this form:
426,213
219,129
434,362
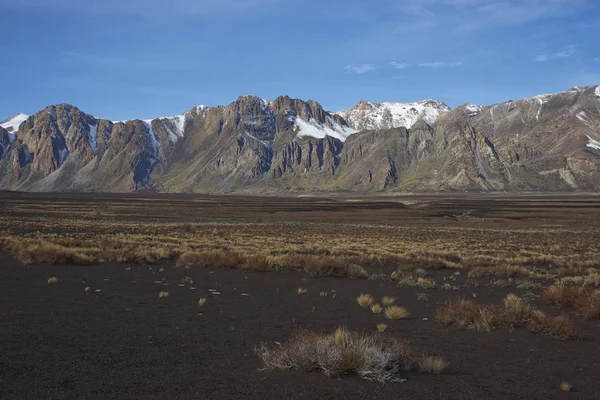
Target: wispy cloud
555,56
398,65
360,68
440,64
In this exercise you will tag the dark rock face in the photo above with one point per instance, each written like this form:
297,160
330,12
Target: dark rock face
542,143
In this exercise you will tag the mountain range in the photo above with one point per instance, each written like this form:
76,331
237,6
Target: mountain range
543,143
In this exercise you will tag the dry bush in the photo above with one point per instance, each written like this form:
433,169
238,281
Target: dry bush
584,300
301,291
560,327
365,300
396,312
381,327
414,280
372,356
316,265
52,280
202,301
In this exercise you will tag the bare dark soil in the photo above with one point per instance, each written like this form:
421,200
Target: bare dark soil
120,340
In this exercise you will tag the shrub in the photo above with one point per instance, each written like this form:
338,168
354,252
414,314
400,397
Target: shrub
372,356
381,327
376,308
584,300
432,365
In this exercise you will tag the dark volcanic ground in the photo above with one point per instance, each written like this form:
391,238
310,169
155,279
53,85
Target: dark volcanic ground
120,340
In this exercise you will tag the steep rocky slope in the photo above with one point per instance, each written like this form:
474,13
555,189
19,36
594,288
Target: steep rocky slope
548,142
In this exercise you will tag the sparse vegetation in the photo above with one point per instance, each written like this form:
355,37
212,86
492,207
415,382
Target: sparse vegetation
202,301
381,327
432,364
515,313
52,280
302,291
373,357
163,294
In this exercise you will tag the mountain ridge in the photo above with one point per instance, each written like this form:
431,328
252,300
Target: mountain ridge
545,142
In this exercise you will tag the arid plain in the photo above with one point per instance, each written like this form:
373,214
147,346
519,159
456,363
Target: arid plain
195,296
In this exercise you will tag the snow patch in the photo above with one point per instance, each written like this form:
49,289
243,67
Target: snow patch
317,130
62,156
12,124
597,91
92,137
593,144
174,126
154,143
582,116
388,115
473,109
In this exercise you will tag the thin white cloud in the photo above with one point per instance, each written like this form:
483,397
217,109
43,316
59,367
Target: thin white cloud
398,65
360,68
555,56
440,64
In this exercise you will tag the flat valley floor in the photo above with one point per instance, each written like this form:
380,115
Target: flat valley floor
103,331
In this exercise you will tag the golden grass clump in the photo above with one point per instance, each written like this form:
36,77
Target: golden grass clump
396,312
565,386
376,308
387,301
365,300
560,327
202,301
432,364
381,327
371,356
163,295
52,280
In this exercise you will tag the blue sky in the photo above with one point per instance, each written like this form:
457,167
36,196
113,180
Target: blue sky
123,59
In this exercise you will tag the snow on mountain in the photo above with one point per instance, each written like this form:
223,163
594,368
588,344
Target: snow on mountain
12,124
366,115
92,137
597,92
593,144
174,126
317,130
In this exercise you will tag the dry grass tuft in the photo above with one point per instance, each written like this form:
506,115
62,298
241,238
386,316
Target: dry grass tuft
388,301
396,312
371,356
163,294
202,302
52,280
302,291
381,327
365,300
432,364
376,308
565,386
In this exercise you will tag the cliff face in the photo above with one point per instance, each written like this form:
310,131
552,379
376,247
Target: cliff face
541,143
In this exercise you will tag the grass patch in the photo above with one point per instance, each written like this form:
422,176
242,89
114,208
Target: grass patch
584,300
365,300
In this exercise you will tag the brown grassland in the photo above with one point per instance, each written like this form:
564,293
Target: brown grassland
393,271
